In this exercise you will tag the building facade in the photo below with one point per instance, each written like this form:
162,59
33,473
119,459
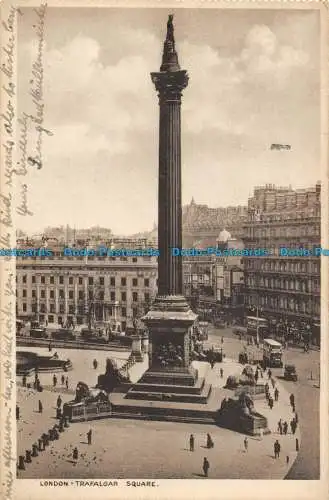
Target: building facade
84,290
284,288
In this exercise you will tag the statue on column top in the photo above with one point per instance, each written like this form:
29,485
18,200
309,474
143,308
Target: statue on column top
170,28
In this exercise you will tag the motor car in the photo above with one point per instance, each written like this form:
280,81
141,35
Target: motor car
290,373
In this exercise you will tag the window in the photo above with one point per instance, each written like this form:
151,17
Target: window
51,319
43,280
24,278
134,310
71,280
123,282
80,281
135,281
146,282
80,294
43,308
61,280
24,293
135,296
24,307
147,297
101,295
52,294
123,312
101,281
134,259
51,279
43,294
34,293
123,296
112,296
61,309
71,294
52,308
34,308
61,294
90,281
112,281
71,309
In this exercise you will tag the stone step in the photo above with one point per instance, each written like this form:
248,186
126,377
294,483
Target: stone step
181,397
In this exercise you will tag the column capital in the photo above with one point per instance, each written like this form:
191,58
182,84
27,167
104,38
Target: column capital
170,85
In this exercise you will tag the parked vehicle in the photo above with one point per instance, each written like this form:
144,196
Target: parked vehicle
63,334
290,373
38,333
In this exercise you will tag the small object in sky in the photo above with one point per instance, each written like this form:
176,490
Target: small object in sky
280,147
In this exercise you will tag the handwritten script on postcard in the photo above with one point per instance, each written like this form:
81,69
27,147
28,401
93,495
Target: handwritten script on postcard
21,151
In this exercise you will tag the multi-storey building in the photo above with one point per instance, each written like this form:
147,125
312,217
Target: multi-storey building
81,290
285,288
214,283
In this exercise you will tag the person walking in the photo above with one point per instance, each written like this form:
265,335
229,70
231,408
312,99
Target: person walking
256,376
277,449
292,400
205,466
67,382
17,412
269,373
285,428
270,402
54,380
222,340
63,379
276,394
297,444
280,426
210,443
245,442
75,454
89,433
59,402
191,442
40,406
221,371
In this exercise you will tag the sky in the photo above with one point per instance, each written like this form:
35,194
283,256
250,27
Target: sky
254,80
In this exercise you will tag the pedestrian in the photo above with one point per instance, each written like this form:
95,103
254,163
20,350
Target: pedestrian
273,382
293,407
210,443
212,363
221,371
276,394
59,402
63,379
54,380
292,426
191,442
205,466
280,426
17,412
222,340
285,428
89,436
75,454
292,400
269,373
287,459
277,449
95,363
245,442
49,347
297,444
270,403
40,406
67,382
256,376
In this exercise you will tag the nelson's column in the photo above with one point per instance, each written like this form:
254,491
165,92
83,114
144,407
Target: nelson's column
170,374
